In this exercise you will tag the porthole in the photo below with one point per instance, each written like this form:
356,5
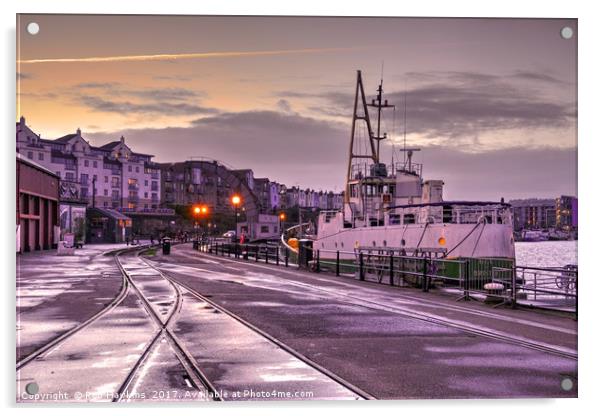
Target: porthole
342,244
335,244
384,243
403,242
374,244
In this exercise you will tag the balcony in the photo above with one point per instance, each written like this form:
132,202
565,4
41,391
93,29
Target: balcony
133,186
155,175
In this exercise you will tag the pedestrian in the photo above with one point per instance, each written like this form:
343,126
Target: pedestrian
127,240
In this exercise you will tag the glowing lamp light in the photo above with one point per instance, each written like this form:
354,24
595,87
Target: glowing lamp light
204,210
197,210
236,200
282,216
441,241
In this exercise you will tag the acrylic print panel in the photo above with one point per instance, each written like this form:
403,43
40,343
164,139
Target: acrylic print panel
295,208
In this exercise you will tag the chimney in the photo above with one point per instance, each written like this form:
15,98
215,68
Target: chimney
78,132
122,139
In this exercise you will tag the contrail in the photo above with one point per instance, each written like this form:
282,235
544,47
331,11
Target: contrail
169,57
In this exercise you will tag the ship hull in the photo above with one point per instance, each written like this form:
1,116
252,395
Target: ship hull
458,240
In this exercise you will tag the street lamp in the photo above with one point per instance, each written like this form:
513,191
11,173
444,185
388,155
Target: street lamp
199,211
236,202
281,219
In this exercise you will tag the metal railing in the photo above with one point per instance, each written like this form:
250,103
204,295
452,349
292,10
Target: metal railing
494,280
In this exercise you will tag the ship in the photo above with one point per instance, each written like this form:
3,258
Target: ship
390,208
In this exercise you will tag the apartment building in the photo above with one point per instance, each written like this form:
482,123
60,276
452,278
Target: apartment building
110,176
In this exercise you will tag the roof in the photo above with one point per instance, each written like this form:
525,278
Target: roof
111,213
35,165
66,138
109,145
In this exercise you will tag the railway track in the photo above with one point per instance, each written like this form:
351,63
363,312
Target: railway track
195,374
358,391
371,304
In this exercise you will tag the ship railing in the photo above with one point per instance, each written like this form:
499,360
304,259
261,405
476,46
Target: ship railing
459,214
492,280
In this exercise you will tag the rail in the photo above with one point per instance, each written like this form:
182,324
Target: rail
493,280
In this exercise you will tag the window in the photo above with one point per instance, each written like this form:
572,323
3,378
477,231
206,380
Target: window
265,229
106,192
130,168
95,164
86,162
146,182
409,219
30,155
137,169
146,194
106,179
94,177
40,156
83,179
84,192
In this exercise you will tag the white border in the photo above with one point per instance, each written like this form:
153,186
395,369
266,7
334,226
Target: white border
590,202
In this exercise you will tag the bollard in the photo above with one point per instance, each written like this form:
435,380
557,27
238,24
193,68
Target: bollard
362,277
391,269
317,261
338,264
245,253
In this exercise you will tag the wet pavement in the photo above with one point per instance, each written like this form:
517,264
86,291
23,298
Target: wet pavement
391,342
56,293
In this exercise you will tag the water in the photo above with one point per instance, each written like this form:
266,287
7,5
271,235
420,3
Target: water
546,253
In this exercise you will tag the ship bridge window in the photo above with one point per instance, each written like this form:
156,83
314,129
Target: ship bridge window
394,219
448,213
409,219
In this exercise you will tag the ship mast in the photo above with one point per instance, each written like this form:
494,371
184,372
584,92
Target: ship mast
360,112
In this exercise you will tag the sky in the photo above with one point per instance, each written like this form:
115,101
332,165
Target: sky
492,103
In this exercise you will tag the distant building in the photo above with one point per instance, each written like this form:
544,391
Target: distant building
566,213
533,214
37,206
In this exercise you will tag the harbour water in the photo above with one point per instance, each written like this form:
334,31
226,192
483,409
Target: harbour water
546,253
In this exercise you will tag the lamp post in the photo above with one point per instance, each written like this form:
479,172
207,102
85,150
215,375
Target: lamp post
281,219
236,202
199,211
